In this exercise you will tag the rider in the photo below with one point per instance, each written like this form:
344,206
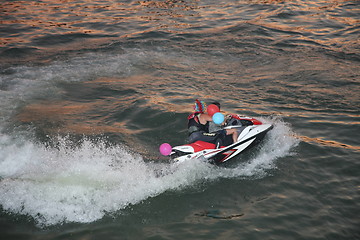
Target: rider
198,126
213,127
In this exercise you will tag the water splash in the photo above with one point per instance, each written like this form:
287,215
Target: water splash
80,184
72,184
83,183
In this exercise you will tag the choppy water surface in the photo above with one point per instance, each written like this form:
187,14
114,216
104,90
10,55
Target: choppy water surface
90,89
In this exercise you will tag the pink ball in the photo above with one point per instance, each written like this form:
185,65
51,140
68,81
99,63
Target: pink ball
165,149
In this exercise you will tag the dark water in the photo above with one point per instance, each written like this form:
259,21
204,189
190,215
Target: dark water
90,89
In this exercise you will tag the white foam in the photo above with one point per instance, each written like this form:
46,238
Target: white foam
76,184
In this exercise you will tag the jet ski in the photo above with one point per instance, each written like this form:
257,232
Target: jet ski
251,132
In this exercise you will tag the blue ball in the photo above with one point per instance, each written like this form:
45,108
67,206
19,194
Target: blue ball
218,118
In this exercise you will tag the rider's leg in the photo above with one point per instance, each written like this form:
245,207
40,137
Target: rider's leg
234,134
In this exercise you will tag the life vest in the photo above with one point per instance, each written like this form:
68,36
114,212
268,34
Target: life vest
194,124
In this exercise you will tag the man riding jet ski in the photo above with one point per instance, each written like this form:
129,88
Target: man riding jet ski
202,128
216,143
